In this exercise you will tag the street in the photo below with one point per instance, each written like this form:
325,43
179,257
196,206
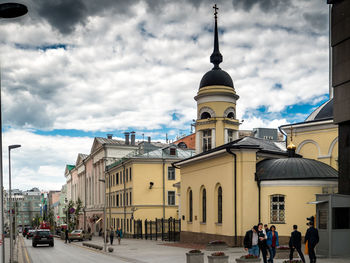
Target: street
62,252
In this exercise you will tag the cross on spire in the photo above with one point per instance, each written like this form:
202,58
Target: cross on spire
215,11
216,57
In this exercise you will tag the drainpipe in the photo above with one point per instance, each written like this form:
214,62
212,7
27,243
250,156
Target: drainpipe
282,131
124,177
85,195
259,196
235,190
163,161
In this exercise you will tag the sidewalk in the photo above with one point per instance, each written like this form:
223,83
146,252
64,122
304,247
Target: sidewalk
150,251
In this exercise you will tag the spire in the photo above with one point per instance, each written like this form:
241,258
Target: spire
216,57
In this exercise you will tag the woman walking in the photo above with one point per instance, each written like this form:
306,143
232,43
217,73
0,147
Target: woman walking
272,242
119,234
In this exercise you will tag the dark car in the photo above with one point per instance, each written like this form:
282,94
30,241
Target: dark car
42,236
30,233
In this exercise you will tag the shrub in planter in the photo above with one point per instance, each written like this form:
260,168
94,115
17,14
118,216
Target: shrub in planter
195,256
218,257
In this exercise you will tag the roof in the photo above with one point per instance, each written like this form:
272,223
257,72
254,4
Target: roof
102,140
294,169
163,153
261,145
70,167
216,77
323,112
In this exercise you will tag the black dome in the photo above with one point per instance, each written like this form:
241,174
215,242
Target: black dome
325,111
294,169
216,77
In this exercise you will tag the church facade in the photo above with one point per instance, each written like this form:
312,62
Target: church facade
232,184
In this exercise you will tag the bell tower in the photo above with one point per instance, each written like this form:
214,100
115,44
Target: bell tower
216,98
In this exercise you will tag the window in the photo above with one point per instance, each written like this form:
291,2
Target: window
205,115
182,145
127,199
127,174
341,218
171,173
204,205
190,206
231,115
171,197
277,208
230,135
130,173
130,199
172,151
117,200
117,177
219,205
206,143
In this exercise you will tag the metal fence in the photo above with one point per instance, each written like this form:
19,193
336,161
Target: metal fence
162,229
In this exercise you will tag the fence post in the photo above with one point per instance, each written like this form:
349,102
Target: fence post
162,229
156,228
146,229
150,229
169,229
141,228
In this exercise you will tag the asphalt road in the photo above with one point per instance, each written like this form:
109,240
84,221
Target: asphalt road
62,252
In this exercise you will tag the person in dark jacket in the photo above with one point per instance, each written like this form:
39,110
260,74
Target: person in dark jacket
111,235
312,239
66,235
295,243
251,241
262,241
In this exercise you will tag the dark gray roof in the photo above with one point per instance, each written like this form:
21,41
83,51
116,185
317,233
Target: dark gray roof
263,144
110,141
323,112
294,169
216,77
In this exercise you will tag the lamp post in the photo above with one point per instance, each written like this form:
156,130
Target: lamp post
7,10
104,215
10,202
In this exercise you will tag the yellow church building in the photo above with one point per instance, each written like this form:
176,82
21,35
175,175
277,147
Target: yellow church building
232,184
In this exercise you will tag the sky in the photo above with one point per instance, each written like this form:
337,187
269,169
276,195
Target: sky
75,69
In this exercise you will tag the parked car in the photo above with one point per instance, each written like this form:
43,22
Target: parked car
42,236
79,235
30,233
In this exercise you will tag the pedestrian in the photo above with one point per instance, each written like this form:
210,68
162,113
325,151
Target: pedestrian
66,236
111,235
295,243
89,229
262,242
272,242
267,229
312,238
119,234
251,241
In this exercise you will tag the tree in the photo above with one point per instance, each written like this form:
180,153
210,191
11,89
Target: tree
78,207
51,218
36,221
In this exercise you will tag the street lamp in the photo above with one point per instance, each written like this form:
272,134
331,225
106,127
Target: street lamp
7,10
10,201
104,215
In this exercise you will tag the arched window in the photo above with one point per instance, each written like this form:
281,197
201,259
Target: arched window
182,145
205,115
219,205
231,115
190,206
204,205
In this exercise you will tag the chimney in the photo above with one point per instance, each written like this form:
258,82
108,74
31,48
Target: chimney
149,139
132,138
109,136
126,138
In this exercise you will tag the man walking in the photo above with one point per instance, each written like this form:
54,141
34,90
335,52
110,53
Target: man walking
111,235
119,234
66,235
262,242
312,239
295,243
251,241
